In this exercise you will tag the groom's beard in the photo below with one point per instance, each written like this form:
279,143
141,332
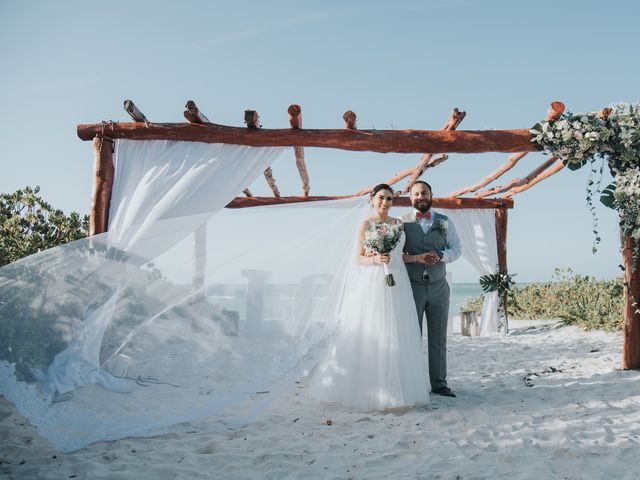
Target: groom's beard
422,205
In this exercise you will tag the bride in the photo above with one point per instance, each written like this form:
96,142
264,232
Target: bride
374,361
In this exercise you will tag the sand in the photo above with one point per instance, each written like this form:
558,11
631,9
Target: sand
546,401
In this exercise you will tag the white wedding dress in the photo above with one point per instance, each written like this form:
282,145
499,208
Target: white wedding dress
374,361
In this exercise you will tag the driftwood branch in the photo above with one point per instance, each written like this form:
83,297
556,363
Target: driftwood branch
349,118
426,162
302,169
453,203
554,112
402,175
247,192
252,119
193,114
390,182
508,165
382,141
295,119
134,112
268,175
517,182
552,170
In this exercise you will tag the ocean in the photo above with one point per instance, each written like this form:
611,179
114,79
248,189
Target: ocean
460,293
279,298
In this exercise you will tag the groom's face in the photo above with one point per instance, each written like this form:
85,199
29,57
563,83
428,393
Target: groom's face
421,198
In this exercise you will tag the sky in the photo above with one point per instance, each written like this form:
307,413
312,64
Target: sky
398,65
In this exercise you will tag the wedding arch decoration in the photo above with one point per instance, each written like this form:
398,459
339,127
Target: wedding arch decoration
612,137
127,314
571,140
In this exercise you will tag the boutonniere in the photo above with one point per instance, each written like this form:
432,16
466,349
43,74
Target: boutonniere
443,226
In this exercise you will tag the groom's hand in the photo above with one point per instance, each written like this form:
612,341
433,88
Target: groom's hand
431,258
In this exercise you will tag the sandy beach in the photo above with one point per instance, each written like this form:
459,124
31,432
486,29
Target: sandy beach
546,401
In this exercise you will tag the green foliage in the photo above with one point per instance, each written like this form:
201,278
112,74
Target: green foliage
497,282
577,299
607,196
29,225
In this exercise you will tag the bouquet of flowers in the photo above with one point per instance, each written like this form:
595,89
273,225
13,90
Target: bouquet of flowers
381,238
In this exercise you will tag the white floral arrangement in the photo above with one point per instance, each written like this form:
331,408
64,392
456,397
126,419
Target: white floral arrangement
573,138
381,238
443,226
627,201
614,136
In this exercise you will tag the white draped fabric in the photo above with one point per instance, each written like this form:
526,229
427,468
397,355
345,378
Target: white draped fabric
477,231
185,183
162,191
107,337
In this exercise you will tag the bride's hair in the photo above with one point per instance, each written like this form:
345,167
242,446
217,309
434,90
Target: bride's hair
381,186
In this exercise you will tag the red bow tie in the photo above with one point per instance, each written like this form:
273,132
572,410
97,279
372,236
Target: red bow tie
426,216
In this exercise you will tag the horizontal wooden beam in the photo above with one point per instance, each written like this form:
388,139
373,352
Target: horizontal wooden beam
451,203
382,141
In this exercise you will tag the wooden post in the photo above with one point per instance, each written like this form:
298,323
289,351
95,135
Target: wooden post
631,352
103,184
501,241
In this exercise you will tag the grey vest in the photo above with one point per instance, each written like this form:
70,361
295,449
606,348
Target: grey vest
418,242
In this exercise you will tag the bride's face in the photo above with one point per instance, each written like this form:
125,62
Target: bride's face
382,201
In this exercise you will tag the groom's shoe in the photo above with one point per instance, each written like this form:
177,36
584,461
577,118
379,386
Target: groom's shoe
444,391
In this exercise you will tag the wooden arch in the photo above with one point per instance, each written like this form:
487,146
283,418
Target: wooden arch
427,142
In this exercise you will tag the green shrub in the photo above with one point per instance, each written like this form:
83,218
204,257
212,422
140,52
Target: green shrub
576,299
29,225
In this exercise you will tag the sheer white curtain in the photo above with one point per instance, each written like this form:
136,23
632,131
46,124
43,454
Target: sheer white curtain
124,303
165,189
120,310
162,191
477,231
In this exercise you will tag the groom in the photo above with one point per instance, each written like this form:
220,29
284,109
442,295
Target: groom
431,241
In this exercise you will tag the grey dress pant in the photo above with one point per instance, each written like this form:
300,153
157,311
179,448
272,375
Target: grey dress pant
432,300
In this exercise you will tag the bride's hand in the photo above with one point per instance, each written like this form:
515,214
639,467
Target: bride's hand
380,259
